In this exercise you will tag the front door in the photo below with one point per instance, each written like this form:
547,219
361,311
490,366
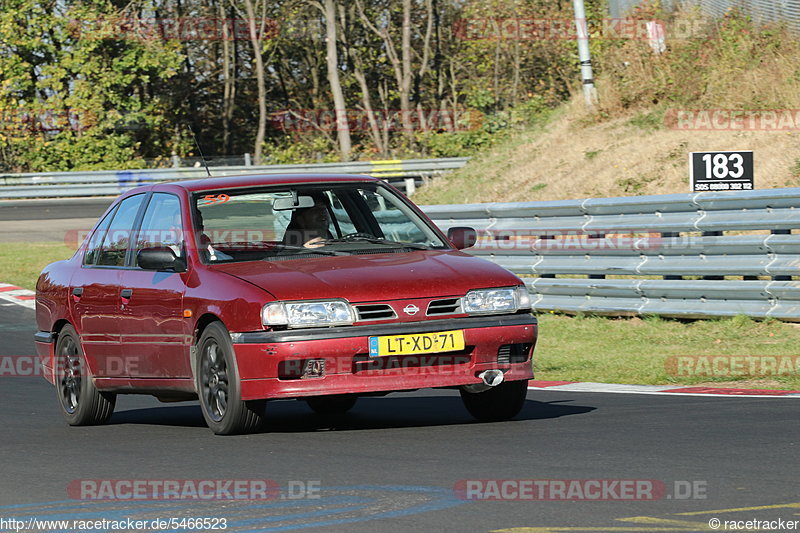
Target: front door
154,334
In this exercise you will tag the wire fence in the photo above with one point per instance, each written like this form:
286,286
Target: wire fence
762,11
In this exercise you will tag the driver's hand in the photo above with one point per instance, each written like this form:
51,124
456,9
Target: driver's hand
316,242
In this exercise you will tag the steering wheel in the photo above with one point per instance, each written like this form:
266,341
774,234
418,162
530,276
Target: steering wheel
357,235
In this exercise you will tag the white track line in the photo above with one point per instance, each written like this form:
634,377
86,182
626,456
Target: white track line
671,390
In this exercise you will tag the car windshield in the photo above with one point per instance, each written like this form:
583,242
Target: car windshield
299,221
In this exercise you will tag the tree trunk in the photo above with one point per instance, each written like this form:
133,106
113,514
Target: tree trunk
255,41
229,82
342,126
366,100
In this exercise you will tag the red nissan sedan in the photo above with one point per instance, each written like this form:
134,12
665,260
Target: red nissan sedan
240,290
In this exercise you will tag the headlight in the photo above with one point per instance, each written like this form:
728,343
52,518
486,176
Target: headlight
308,314
507,300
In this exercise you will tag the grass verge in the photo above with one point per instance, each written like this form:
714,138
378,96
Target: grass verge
21,262
646,351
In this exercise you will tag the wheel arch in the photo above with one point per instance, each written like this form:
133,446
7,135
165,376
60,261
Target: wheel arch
59,325
202,323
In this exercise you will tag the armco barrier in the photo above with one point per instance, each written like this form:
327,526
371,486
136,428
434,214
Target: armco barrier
407,173
632,256
700,255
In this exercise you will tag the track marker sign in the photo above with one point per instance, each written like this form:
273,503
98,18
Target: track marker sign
721,171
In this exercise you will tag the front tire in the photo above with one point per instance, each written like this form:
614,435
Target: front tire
218,386
80,401
498,403
332,405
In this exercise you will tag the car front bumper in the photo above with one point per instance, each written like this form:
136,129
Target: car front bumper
314,362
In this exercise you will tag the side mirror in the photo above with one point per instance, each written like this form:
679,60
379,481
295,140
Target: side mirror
462,237
161,258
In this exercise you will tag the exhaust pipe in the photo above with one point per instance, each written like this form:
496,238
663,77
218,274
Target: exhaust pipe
490,378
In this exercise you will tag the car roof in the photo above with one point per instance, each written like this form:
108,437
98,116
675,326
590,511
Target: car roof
256,180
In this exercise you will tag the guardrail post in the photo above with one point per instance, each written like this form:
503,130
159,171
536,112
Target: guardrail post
781,232
545,238
713,234
247,161
597,236
411,186
176,160
671,235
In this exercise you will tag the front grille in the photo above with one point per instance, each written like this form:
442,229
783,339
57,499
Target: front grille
513,353
449,306
375,312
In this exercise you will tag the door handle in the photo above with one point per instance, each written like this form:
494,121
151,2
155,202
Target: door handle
77,291
126,293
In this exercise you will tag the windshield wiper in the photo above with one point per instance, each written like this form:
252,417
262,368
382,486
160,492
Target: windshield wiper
306,250
377,240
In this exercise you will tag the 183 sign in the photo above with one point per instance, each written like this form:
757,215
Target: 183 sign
721,171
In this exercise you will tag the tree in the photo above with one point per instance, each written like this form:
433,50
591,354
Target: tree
76,95
332,60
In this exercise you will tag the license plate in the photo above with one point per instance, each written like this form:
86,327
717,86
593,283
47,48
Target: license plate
416,343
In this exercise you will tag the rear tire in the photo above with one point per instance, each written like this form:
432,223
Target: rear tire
332,405
498,403
80,401
218,386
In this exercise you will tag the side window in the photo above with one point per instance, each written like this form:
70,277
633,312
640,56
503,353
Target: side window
162,225
346,225
96,241
393,218
118,237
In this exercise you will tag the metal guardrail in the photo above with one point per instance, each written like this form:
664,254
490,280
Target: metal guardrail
410,173
632,256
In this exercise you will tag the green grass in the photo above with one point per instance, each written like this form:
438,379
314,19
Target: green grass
21,263
574,348
637,351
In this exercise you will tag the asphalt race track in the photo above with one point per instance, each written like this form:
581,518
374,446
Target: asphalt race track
50,219
395,463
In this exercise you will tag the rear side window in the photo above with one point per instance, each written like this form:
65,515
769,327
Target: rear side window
96,241
118,237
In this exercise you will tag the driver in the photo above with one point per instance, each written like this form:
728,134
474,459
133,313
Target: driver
309,227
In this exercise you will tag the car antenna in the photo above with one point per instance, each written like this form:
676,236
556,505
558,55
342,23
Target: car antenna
202,157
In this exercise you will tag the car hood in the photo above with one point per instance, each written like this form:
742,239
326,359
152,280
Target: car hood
373,277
